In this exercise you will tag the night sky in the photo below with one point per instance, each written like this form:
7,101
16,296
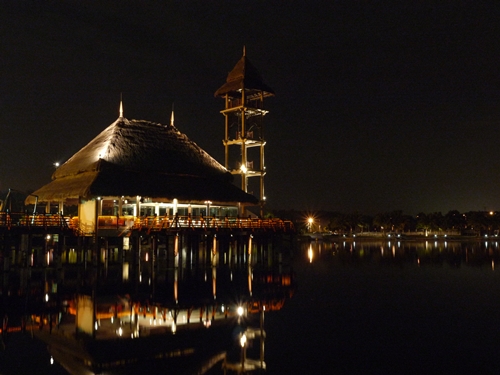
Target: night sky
380,106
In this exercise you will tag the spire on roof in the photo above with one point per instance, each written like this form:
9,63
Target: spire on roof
121,106
244,53
172,116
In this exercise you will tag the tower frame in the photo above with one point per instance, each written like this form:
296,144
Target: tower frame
244,93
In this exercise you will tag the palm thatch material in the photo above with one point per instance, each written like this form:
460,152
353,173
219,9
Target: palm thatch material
136,157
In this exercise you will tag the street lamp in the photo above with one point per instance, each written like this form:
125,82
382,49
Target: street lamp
310,223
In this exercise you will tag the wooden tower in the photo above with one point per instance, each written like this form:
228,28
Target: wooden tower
244,93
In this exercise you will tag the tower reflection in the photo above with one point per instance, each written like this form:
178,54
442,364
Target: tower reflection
189,300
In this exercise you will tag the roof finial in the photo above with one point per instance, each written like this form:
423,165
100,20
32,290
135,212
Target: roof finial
121,105
244,52
172,116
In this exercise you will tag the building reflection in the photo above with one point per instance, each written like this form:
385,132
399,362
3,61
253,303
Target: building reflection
182,298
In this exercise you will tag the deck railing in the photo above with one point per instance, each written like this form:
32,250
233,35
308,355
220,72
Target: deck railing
150,223
15,219
156,223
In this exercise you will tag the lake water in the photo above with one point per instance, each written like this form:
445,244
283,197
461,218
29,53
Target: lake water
390,308
414,307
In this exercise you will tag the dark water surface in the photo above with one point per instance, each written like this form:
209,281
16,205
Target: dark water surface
377,308
365,308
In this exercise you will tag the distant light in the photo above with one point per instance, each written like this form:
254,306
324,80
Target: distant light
243,168
120,331
56,164
51,360
46,297
240,310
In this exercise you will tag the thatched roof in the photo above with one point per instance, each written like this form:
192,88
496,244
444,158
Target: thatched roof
244,76
136,157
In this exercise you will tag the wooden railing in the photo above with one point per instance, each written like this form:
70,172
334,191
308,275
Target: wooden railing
150,223
157,223
14,219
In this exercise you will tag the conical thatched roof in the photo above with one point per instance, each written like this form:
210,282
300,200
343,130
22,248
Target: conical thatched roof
136,157
244,76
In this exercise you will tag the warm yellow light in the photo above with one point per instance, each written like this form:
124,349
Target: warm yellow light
243,340
240,310
243,168
310,221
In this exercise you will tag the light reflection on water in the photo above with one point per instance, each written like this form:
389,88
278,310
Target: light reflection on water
407,307
452,253
370,307
204,284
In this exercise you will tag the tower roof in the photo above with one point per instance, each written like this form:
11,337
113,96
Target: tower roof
244,76
137,157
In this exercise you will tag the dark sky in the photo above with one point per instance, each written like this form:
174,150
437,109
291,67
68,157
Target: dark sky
379,106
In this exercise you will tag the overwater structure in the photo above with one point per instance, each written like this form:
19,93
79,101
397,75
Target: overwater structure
138,212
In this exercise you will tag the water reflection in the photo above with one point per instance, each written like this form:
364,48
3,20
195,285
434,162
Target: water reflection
452,253
193,303
376,307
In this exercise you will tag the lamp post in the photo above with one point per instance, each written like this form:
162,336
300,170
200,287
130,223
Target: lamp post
310,223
